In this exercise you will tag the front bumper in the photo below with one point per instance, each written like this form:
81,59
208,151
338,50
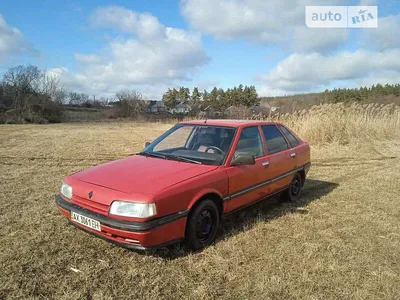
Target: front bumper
148,235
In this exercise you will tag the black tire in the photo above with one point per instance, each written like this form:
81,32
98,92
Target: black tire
292,193
202,225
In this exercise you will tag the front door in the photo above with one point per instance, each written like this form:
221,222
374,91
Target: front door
245,182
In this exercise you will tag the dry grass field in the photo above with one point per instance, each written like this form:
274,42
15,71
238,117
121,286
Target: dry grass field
342,241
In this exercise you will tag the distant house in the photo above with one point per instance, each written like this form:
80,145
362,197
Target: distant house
209,109
181,108
150,103
158,107
255,109
230,111
258,109
207,112
274,109
210,112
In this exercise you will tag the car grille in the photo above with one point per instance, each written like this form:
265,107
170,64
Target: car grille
91,205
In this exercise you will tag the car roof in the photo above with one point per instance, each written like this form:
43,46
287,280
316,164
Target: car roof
229,123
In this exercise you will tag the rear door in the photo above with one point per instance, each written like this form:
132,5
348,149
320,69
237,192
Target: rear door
294,143
281,159
244,180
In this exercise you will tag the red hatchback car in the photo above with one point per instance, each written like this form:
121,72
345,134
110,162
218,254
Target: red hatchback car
183,182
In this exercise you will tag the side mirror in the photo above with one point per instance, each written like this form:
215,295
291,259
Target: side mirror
243,159
146,144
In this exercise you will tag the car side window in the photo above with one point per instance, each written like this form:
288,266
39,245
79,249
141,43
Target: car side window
290,137
275,140
250,143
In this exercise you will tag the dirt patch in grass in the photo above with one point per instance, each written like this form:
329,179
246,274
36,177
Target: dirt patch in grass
342,241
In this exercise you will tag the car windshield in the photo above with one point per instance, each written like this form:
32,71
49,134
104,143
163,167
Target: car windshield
201,144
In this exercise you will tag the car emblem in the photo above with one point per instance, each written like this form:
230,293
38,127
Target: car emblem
90,194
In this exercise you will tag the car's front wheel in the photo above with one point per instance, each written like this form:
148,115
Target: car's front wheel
202,225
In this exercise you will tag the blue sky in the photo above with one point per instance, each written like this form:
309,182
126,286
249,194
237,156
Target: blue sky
100,47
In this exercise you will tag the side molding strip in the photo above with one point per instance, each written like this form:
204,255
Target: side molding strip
261,184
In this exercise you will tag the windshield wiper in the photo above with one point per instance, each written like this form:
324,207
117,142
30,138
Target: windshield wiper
181,158
152,154
169,156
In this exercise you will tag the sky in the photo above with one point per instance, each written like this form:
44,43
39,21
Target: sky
100,47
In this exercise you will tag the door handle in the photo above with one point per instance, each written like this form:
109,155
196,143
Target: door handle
293,155
265,164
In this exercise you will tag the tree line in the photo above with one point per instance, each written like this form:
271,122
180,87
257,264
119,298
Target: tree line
218,99
361,94
30,94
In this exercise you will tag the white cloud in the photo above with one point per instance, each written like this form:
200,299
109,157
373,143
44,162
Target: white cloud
314,71
152,54
272,21
265,91
87,58
12,42
385,36
306,39
80,83
145,25
74,82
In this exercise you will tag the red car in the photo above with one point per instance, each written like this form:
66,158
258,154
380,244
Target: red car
182,183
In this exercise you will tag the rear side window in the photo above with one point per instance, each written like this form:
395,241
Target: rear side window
275,140
290,137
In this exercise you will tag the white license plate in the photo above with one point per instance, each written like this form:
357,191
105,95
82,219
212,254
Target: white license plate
88,222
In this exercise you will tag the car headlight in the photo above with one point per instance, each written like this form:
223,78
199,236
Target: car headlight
66,190
133,209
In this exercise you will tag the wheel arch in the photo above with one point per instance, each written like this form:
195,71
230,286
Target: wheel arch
302,176
213,195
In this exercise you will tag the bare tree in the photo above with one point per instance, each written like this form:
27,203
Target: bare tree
34,92
104,101
131,102
22,81
77,99
50,86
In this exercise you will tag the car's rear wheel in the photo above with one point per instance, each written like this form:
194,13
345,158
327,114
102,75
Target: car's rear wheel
202,225
292,193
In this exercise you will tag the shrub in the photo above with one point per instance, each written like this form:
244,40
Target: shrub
52,112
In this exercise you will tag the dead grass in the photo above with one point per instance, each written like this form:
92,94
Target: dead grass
341,242
340,124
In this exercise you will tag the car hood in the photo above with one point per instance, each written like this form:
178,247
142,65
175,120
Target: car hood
140,174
